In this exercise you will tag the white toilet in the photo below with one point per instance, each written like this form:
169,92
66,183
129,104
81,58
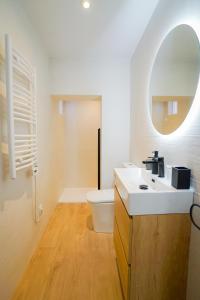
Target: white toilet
102,205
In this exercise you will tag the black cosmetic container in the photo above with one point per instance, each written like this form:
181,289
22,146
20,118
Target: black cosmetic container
181,177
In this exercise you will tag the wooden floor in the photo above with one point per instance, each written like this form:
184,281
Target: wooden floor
72,262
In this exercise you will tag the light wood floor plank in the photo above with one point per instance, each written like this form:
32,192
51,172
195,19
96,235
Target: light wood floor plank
72,262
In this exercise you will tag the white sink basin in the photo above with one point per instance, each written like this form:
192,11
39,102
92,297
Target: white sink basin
159,198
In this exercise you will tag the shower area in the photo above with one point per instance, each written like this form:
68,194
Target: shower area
81,145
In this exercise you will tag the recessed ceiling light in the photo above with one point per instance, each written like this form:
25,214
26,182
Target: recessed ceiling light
85,4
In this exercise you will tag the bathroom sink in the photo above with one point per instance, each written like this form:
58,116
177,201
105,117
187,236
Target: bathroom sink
159,197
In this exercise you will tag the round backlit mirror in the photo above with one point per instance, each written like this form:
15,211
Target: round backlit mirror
174,79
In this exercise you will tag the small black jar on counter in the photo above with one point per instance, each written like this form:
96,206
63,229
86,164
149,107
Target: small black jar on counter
181,177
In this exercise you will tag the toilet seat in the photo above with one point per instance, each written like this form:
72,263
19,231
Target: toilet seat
101,196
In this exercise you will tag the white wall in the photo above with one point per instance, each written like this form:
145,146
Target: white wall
110,80
184,148
82,119
18,232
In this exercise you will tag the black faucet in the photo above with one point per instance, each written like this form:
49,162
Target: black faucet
157,163
161,167
151,163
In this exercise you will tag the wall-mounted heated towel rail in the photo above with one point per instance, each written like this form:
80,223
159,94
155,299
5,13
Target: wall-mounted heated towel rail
22,117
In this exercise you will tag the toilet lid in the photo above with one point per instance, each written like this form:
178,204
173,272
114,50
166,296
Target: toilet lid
100,196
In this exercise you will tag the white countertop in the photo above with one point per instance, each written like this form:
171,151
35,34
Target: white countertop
159,198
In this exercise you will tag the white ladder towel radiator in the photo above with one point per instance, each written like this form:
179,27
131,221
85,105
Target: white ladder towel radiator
22,114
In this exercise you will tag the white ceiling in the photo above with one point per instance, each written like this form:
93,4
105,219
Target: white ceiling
110,28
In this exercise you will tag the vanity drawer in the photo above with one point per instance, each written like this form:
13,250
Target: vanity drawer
124,222
123,267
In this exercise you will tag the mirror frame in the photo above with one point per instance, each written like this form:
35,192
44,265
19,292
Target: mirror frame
196,102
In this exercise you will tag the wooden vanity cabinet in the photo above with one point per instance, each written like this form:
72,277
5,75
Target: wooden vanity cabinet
151,254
